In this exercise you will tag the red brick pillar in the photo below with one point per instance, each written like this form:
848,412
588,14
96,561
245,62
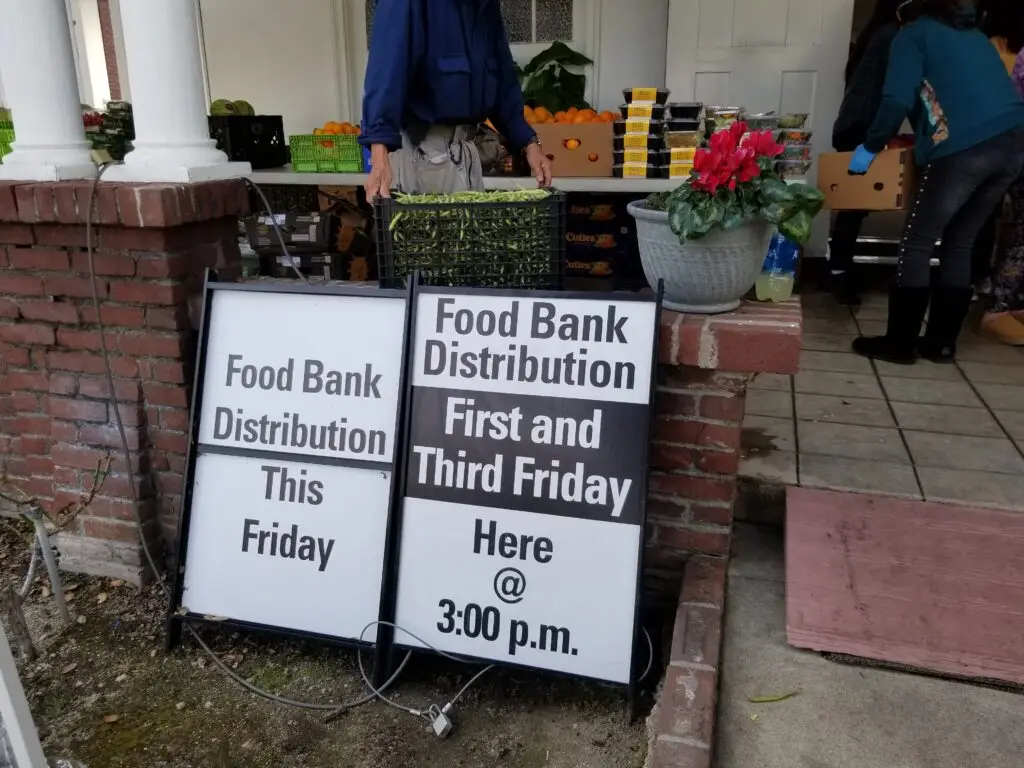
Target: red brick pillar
109,48
153,242
705,365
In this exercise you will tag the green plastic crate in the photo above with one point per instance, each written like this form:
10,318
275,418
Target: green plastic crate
6,137
326,153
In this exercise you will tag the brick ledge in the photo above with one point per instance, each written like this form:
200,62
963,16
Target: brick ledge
681,727
121,204
756,338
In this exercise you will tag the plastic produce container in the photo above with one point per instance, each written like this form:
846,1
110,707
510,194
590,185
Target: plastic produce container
638,141
657,95
326,153
686,111
638,125
653,111
639,171
683,139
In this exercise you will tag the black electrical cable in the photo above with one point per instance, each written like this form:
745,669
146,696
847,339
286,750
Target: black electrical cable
90,254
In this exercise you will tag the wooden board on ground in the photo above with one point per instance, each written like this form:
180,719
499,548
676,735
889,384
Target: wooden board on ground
933,586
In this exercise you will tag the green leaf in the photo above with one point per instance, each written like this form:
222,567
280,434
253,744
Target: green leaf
557,53
811,199
681,220
776,213
573,88
734,216
657,201
798,227
542,90
774,190
683,192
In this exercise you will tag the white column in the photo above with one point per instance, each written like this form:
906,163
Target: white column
42,92
17,719
172,136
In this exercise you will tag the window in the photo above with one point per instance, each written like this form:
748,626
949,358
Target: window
537,21
526,21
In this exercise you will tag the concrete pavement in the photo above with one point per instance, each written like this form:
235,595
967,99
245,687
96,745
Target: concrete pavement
844,717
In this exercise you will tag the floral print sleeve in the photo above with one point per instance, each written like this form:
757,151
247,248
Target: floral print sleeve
1018,73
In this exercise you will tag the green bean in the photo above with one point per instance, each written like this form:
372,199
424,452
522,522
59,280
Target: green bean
454,240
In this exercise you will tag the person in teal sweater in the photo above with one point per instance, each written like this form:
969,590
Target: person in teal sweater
969,123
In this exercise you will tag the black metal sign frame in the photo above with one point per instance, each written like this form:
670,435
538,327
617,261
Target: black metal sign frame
176,616
386,655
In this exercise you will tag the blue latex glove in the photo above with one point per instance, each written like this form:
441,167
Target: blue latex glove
861,161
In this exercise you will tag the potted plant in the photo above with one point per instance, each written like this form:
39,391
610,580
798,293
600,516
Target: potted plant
548,79
708,238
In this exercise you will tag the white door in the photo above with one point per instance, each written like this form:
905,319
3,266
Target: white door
782,55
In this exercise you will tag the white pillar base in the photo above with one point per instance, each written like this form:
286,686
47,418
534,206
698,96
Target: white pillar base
47,163
29,172
172,173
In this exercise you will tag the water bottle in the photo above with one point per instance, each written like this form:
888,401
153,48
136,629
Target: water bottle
775,283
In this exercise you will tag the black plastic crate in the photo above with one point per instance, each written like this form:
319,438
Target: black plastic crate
494,244
286,198
257,139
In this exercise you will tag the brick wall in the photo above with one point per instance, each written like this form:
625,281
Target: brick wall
56,421
109,49
705,366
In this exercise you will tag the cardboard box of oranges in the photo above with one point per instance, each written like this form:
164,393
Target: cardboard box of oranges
579,142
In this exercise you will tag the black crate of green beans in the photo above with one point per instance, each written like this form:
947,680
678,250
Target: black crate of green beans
496,239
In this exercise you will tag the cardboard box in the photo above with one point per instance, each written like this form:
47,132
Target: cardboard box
578,149
889,185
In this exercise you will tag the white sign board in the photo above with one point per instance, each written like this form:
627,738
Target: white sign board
523,508
291,482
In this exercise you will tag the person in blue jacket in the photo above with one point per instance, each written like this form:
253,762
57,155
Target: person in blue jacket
437,69
969,125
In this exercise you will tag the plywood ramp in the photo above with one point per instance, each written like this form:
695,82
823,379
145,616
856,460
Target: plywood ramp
933,586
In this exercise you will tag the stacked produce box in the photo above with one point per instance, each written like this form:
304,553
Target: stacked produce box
115,130
657,139
684,132
578,141
639,141
795,161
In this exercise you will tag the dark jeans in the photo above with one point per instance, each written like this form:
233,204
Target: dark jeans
981,263
956,197
845,231
847,224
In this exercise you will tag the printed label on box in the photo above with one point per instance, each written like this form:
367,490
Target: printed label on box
683,154
635,140
636,156
634,171
640,110
645,94
638,125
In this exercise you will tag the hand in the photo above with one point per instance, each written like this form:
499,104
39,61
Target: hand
861,161
379,180
540,164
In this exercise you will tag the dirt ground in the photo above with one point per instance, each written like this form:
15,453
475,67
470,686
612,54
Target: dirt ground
104,692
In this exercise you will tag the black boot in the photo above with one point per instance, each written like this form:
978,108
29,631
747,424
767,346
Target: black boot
844,289
899,345
949,310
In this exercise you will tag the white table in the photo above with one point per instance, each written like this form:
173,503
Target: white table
286,175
